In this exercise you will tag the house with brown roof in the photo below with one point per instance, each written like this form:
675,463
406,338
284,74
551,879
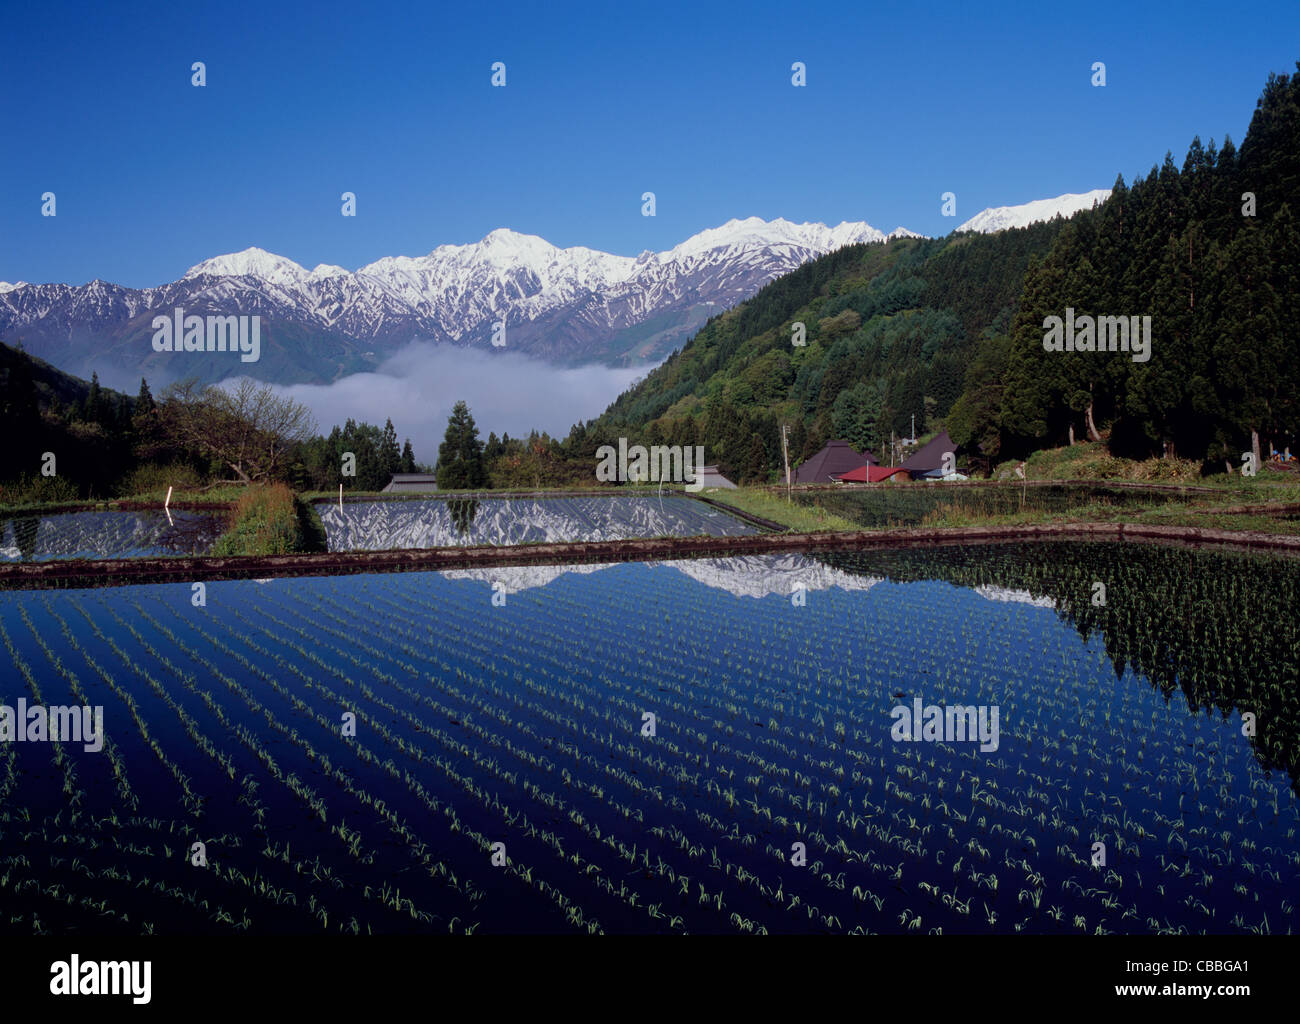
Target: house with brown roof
838,457
927,462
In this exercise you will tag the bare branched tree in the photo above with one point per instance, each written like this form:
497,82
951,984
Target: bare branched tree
245,425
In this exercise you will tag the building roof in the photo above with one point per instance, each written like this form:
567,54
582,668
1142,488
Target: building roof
836,458
413,482
873,474
930,457
710,477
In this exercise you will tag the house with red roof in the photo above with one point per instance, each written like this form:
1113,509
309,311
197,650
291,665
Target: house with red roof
827,465
874,475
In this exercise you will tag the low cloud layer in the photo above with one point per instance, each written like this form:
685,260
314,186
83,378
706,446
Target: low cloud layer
507,393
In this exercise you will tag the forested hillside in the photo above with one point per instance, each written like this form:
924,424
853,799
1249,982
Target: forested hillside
889,330
951,330
87,428
1210,253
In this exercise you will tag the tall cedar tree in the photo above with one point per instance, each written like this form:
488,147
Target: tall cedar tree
460,456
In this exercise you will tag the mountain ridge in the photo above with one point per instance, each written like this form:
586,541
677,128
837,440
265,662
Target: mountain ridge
567,306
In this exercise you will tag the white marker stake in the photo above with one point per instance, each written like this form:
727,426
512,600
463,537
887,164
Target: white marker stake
167,501
340,499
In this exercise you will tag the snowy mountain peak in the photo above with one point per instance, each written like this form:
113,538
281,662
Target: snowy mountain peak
754,232
5,286
572,305
504,236
251,262
1000,218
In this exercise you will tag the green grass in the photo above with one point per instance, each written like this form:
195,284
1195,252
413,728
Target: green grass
769,505
1198,510
230,494
180,498
312,529
1090,460
270,520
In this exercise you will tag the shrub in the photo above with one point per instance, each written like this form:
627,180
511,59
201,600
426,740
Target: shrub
151,478
38,490
265,521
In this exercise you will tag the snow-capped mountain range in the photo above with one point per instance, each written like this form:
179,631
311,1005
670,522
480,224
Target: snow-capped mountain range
567,306
1000,218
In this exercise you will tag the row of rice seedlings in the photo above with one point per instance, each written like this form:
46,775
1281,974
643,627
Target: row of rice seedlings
436,868
97,903
472,703
71,788
488,801
632,708
1139,830
634,753
626,853
247,783
8,769
193,900
351,839
681,710
566,694
190,901
617,746
191,726
57,893
193,801
393,682
539,764
992,798
125,794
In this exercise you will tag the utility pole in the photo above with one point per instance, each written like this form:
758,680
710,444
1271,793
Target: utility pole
785,455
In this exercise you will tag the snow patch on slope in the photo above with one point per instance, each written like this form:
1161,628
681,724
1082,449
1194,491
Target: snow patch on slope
1000,218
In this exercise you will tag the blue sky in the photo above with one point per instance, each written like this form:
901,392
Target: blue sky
604,101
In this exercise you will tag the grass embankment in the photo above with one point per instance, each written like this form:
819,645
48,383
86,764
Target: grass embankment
183,496
15,504
1090,460
271,520
1264,503
758,501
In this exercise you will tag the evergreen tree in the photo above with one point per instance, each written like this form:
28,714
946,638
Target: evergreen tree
144,403
408,458
460,456
390,455
94,400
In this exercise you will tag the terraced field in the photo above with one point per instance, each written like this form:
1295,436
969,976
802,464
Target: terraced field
447,522
350,750
910,504
107,534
